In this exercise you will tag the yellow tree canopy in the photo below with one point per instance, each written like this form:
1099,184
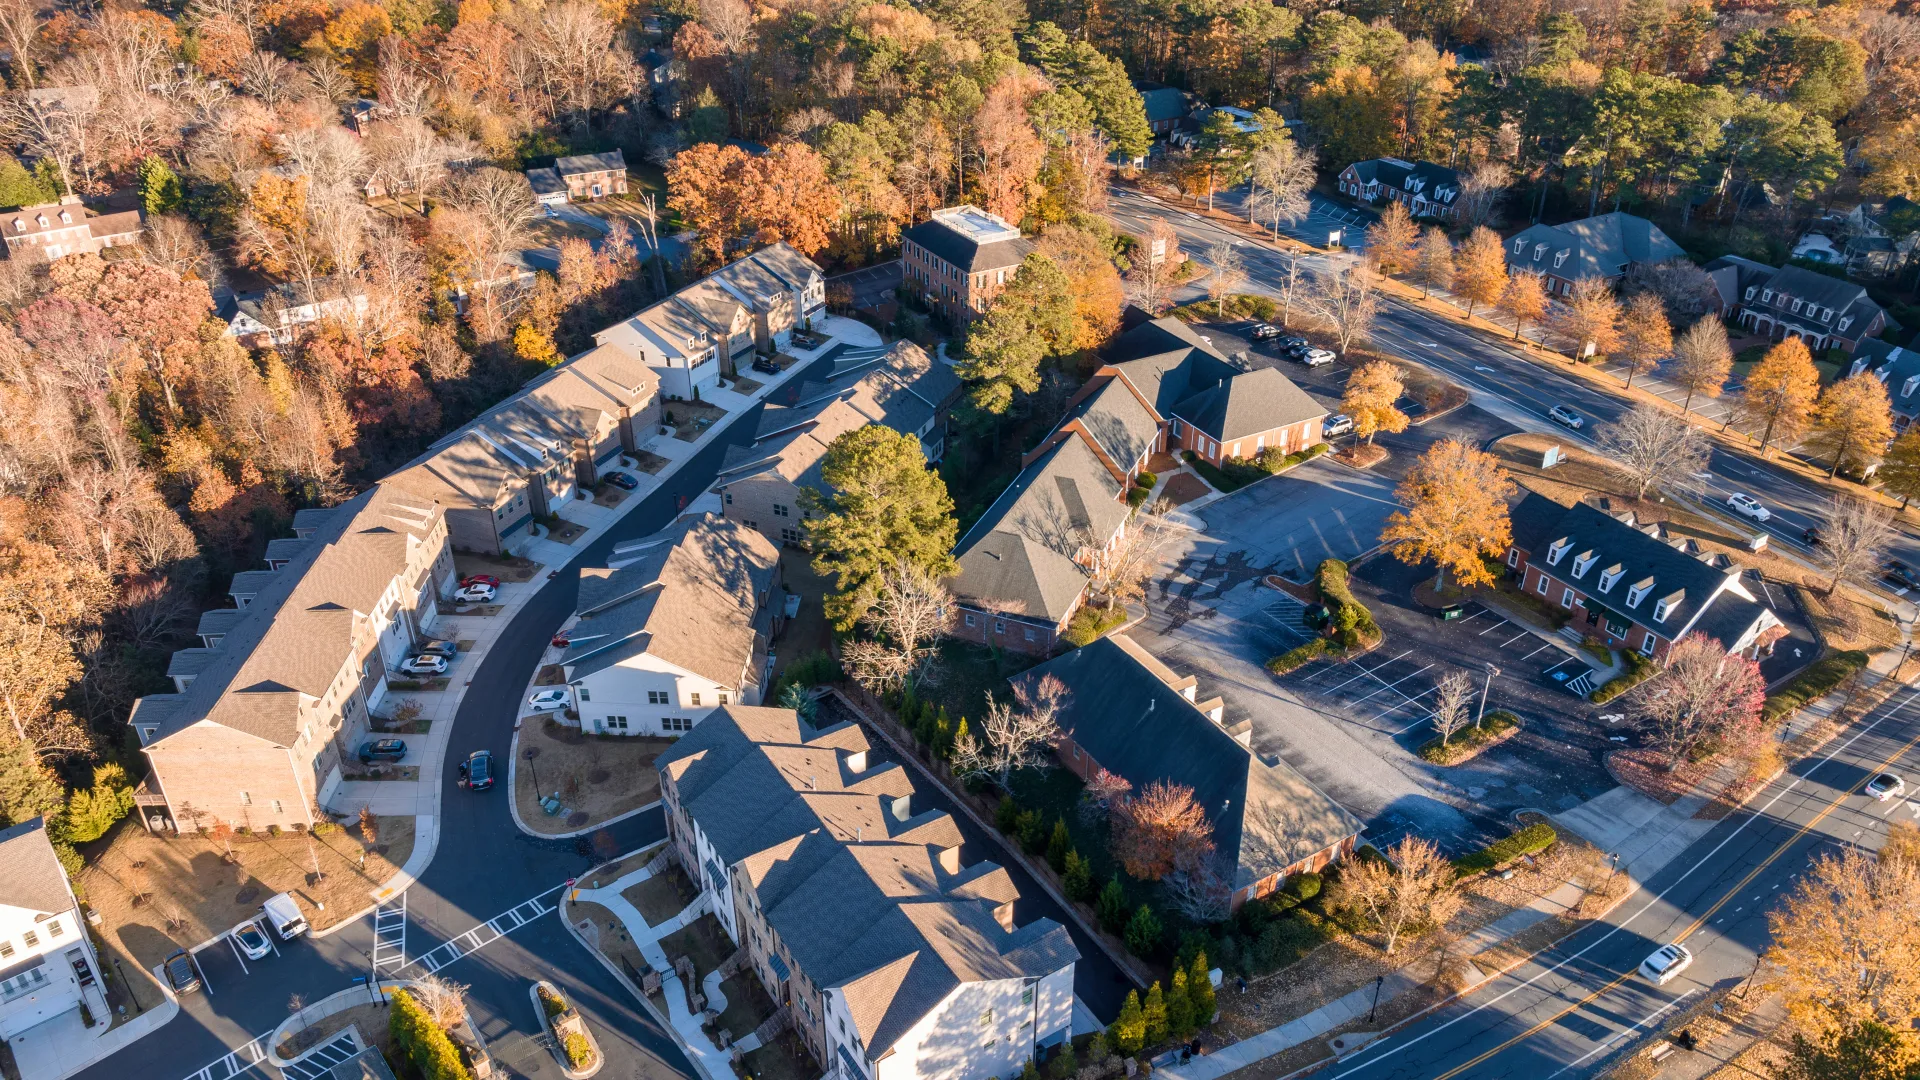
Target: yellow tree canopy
1455,513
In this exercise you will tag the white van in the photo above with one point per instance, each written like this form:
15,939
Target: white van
284,916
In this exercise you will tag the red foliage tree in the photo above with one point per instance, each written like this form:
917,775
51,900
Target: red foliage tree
1160,830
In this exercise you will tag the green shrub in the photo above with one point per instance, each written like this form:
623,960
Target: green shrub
1303,886
1112,906
1468,743
433,1055
1300,656
1816,682
1528,841
1033,837
553,1003
1129,1030
1077,878
579,1050
1352,621
1143,932
1093,621
1639,670
1137,497
1059,844
93,810
1006,816
1145,479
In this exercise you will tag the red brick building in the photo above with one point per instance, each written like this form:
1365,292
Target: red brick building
959,259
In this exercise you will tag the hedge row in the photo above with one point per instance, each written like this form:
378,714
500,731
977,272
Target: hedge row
1639,670
1467,743
1237,472
1300,656
1819,680
1528,841
1352,623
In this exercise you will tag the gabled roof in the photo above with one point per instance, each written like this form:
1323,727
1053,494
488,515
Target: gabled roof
546,182
1065,500
1009,573
1114,418
31,877
1435,183
1168,362
1162,103
1265,816
1248,403
1602,246
1818,295
689,599
1894,366
867,896
611,161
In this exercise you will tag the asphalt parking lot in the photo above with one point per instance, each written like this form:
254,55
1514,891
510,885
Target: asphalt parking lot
1289,523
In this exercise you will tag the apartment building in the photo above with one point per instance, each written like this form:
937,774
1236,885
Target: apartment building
683,626
48,968
1629,586
1129,714
282,686
532,453
51,231
900,387
959,259
697,336
897,961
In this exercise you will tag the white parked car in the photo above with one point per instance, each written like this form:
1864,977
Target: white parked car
1886,786
548,701
1337,424
1665,964
1747,506
475,594
252,940
1316,357
424,665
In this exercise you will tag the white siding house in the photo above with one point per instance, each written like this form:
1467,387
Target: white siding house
48,970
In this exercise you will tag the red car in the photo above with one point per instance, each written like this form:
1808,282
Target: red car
480,579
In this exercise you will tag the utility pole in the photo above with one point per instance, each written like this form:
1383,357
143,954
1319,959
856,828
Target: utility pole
1482,714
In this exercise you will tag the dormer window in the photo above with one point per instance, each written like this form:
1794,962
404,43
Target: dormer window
1826,314
1767,297
1561,257
42,219
1558,550
1797,305
1639,592
1907,388
1666,605
66,217
1584,562
1519,244
1846,322
19,225
1610,575
1751,290
1538,251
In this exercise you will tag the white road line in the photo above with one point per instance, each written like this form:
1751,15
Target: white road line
1364,672
1615,1037
486,933
1704,860
1538,651
1491,629
1385,685
235,1062
235,946
1515,638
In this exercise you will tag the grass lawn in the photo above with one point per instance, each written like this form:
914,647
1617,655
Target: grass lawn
748,1005
691,419
661,896
599,776
1470,742
808,632
700,941
156,894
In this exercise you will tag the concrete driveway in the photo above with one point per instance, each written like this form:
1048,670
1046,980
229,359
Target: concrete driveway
1287,524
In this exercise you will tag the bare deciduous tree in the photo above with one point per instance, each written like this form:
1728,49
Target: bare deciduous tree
1347,300
1480,191
1414,893
1203,891
1704,694
1228,272
1013,736
1281,176
268,77
1151,281
1656,448
1161,830
444,1001
911,612
1853,541
1135,552
1450,704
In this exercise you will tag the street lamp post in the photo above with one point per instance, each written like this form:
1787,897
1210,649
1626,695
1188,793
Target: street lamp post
1378,981
1482,715
534,752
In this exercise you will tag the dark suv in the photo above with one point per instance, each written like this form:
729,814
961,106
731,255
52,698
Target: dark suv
477,771
180,973
382,750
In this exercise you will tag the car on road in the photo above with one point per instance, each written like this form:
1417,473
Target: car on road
1886,786
622,481
252,940
1666,963
1265,331
182,975
480,579
1337,424
1316,357
476,773
382,750
1899,575
1813,536
1566,417
475,594
424,665
447,649
548,700
1747,506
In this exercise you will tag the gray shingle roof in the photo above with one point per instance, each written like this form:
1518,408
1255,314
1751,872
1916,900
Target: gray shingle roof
1167,362
690,599
1602,246
31,876
1436,183
855,888
1248,403
611,161
958,249
1019,556
1162,103
1264,814
1117,421
1894,366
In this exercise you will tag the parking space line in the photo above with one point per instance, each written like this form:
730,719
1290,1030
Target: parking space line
235,946
1538,651
1515,638
1491,629
1473,616
1385,685
1364,672
1561,664
1414,700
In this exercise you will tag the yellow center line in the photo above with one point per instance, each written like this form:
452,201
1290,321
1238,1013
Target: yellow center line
1690,930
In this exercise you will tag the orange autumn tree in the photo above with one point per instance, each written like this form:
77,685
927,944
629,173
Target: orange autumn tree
1454,502
1780,390
1160,830
727,195
1010,153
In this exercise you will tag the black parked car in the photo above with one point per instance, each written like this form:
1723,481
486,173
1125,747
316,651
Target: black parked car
1812,536
181,974
382,750
622,481
1263,331
477,771
1900,575
766,366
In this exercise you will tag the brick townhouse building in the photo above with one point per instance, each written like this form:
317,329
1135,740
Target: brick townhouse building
1630,587
52,231
1128,713
1426,189
282,685
1602,247
593,176
959,259
897,961
1792,301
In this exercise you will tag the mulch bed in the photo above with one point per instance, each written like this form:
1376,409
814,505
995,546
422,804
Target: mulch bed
1361,455
1182,488
1645,771
649,463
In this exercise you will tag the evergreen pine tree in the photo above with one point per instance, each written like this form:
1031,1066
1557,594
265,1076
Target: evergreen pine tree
1200,997
18,187
959,733
1179,1012
1154,1012
1030,1072
1058,845
1112,906
1077,877
160,188
1063,1065
1143,932
1006,816
1129,1030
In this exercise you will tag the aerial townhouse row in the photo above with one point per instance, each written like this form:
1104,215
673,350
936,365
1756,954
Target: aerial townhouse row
282,684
